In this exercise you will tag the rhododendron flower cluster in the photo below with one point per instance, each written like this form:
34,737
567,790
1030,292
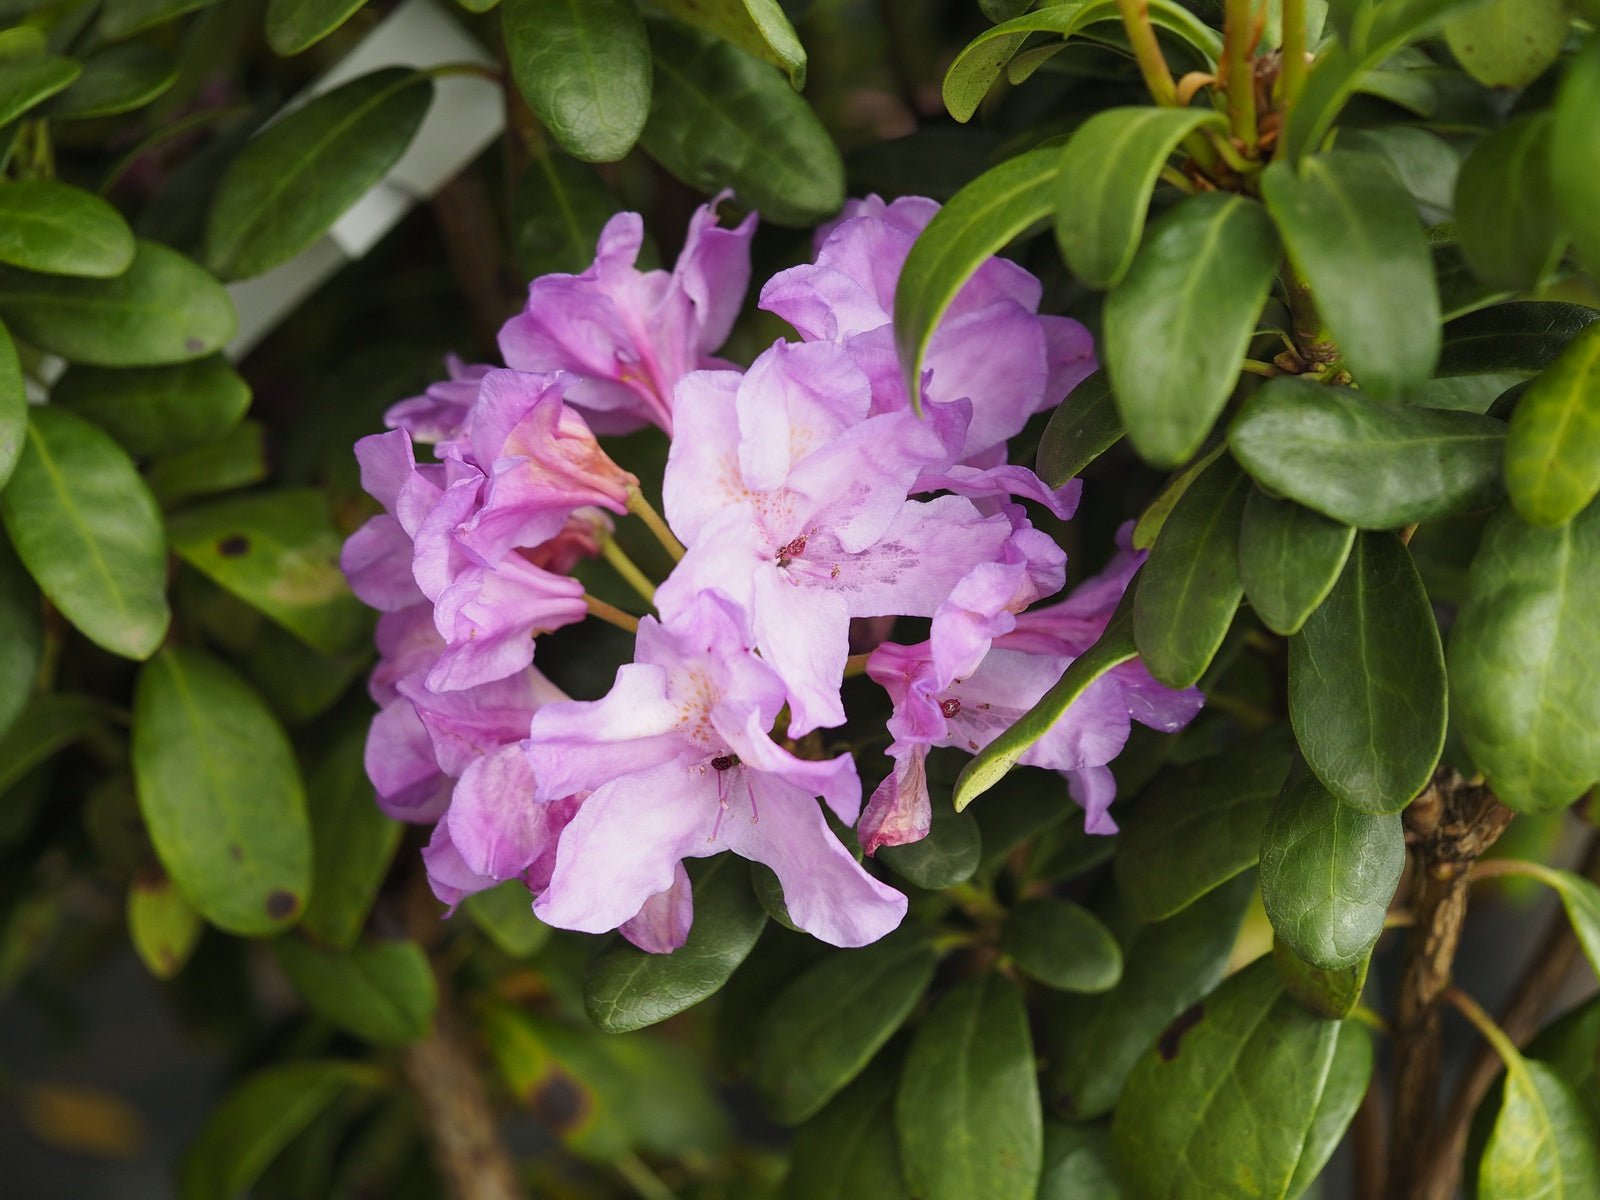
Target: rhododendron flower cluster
810,508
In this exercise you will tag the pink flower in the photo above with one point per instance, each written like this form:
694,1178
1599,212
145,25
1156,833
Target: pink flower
440,413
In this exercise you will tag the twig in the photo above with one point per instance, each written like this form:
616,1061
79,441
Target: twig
1152,63
472,244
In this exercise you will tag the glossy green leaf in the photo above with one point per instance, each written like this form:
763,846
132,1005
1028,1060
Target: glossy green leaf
1508,43
1388,335
1289,558
1524,692
1222,1104
1367,689
627,988
1328,872
295,179
21,632
967,1111
1581,899
1189,588
46,726
1062,945
116,80
758,27
1083,427
1348,1077
1105,177
719,118
1364,462
584,68
163,927
558,211
261,1116
947,856
848,1149
220,793
1178,324
162,309
33,80
121,18
13,407
1114,647
1198,826
381,992
236,459
21,42
979,219
353,842
151,410
296,25
1077,1163
1571,1045
1506,216
1543,1143
505,915
1575,170
1523,337
1167,966
1333,994
1154,518
1426,165
1553,444
89,533
826,1025
62,230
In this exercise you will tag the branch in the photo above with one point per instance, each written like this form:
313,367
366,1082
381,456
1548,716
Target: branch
1152,63
472,244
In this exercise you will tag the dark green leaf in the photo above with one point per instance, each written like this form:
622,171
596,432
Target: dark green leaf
296,25
47,725
1328,872
88,530
163,928
1364,462
352,841
584,68
1333,994
1508,43
1221,1106
1367,689
1505,208
1083,427
120,18
13,407
1150,523
150,410
1581,899
1348,1077
1543,1143
1461,291
1523,337
1289,558
827,1024
380,991
1178,324
1426,165
848,1149
1571,1045
947,856
967,1111
1553,444
982,61
757,27
61,230
1062,946
1525,694
21,632
220,793
28,82
237,459
558,211
1186,594
629,989
1576,136
1104,180
979,219
1077,1163
115,81
1389,334
279,553
1198,826
505,915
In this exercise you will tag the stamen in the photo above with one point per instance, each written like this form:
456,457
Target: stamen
792,551
723,762
950,707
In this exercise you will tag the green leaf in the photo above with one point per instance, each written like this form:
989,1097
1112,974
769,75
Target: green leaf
1367,688
88,531
259,1118
848,1149
1083,427
1333,994
1289,558
1553,444
982,217
505,915
1114,647
558,211
1178,324
1523,337
1576,134
1508,43
235,460
1506,216
163,927
1426,165
1062,945
1388,335
13,407
1221,1106
279,553
1364,462
719,118
1198,826
32,80
1543,1143
21,632
584,68
162,309
62,230
1077,1163
1571,1045
758,27
117,80
947,856
1167,966
1581,899
353,842
381,992
295,179
627,988
1106,174
1342,1093
220,794
151,410
967,1110
121,18
826,1025
1188,590
296,25
48,724
1150,523
1328,872
1525,694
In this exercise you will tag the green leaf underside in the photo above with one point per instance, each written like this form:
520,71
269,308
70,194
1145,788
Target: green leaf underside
296,25
1083,427
1573,178
163,927
154,410
1332,994
1581,899
116,80
1077,1163
62,230
120,18
1543,1145
32,81
1062,945
758,27
1289,559
1553,443
382,992
1508,43
1506,217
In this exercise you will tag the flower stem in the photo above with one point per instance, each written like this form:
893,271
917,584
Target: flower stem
1152,63
641,508
625,566
855,665
611,614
